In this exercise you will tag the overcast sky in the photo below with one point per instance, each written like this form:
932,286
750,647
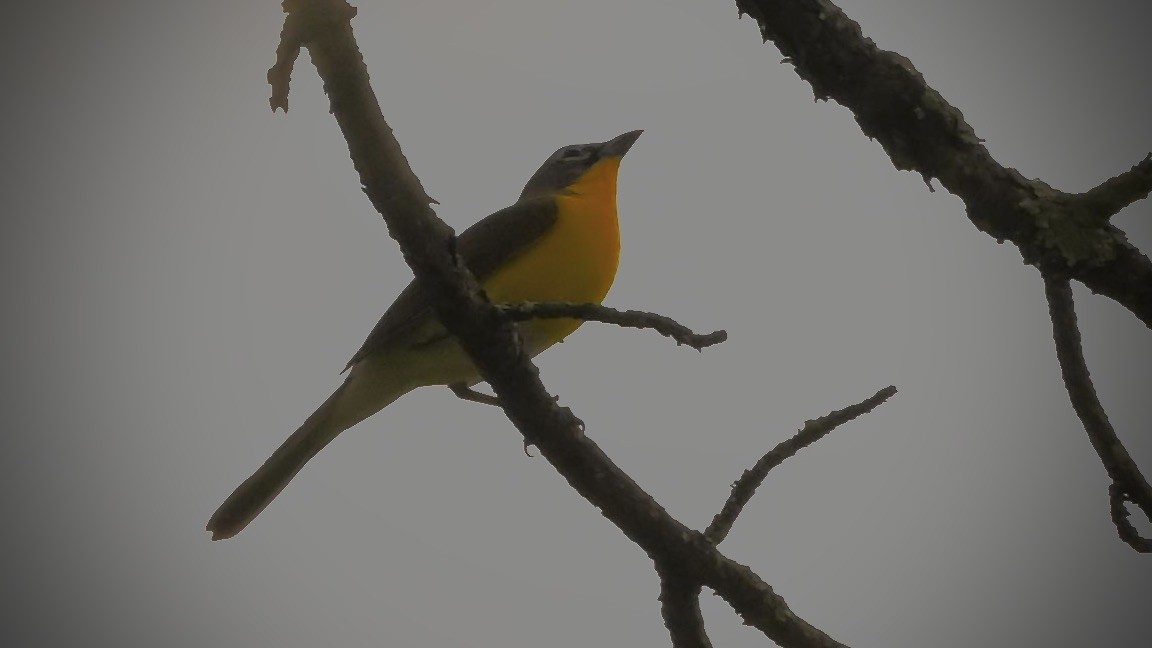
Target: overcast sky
185,274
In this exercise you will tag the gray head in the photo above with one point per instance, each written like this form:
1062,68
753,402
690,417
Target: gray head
568,163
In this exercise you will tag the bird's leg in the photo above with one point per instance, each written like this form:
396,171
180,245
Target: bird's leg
465,392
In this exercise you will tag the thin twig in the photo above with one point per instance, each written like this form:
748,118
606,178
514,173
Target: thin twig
665,326
1122,469
745,487
680,596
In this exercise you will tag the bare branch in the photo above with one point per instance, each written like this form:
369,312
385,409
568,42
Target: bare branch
1128,533
491,340
921,132
679,596
1109,197
680,608
1122,469
292,37
665,326
813,431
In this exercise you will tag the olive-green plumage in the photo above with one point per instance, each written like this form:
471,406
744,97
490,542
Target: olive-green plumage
558,242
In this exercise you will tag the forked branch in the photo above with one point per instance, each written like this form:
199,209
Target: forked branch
921,132
1128,483
813,431
323,27
679,595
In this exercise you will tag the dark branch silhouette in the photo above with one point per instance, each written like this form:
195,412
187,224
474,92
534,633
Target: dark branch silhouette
665,326
680,596
291,39
1127,479
1128,533
323,27
1059,232
918,129
921,132
680,609
813,431
1109,197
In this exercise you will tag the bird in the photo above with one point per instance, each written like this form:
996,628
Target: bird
560,241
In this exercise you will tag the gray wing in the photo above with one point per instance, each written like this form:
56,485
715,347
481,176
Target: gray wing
484,247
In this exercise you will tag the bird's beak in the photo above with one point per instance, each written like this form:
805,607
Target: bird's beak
618,146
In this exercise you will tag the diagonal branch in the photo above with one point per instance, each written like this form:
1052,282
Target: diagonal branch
680,596
1127,479
921,132
1109,197
813,431
665,326
323,26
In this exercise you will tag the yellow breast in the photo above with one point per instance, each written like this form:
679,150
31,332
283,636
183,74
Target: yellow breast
575,262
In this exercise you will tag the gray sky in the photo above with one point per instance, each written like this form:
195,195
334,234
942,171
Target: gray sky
187,273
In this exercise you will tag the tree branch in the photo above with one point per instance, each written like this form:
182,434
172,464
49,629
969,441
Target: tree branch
680,609
1109,197
813,431
680,596
490,338
665,326
1128,533
1122,469
922,132
288,50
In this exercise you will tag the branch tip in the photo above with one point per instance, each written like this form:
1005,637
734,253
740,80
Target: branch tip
745,487
1128,482
1124,527
663,325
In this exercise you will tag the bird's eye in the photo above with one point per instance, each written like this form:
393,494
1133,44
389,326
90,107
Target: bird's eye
571,153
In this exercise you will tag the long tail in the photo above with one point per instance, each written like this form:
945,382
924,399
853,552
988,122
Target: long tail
358,398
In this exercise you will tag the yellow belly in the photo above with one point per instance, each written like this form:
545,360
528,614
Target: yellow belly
575,262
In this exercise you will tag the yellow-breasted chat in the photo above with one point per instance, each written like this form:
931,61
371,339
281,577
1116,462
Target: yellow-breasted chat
560,241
